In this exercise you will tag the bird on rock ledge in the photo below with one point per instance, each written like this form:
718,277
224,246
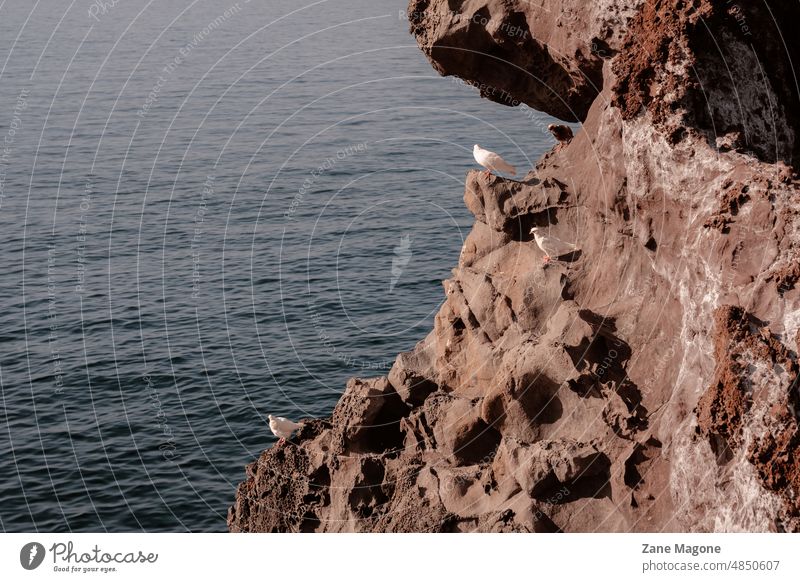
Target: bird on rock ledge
552,247
562,133
491,161
283,428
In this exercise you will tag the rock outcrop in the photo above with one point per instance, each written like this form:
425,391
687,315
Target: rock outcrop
649,382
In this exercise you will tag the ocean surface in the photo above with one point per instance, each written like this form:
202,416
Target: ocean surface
211,211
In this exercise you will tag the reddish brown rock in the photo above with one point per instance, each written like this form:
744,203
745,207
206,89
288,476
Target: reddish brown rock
740,412
545,467
648,383
547,55
367,417
690,65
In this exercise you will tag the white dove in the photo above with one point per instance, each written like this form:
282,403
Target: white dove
491,161
552,247
282,427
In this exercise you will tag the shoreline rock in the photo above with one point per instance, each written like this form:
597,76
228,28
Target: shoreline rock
649,383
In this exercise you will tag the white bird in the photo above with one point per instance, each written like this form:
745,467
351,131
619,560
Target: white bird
491,161
282,427
552,247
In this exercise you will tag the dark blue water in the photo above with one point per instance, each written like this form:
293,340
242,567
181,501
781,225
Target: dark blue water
201,205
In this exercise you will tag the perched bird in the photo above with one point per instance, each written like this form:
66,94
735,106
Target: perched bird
282,427
552,247
562,133
491,161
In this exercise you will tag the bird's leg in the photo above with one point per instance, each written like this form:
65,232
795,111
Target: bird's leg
545,259
281,442
487,173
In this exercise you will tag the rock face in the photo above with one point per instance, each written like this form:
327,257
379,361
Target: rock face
650,381
548,56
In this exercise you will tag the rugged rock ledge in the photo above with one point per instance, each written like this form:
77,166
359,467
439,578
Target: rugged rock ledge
648,383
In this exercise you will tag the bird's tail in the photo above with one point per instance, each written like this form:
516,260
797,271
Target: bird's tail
507,168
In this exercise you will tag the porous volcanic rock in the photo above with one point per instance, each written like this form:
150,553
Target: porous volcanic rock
649,382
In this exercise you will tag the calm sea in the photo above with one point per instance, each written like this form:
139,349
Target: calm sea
211,211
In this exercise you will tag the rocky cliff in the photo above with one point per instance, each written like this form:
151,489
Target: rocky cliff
648,382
